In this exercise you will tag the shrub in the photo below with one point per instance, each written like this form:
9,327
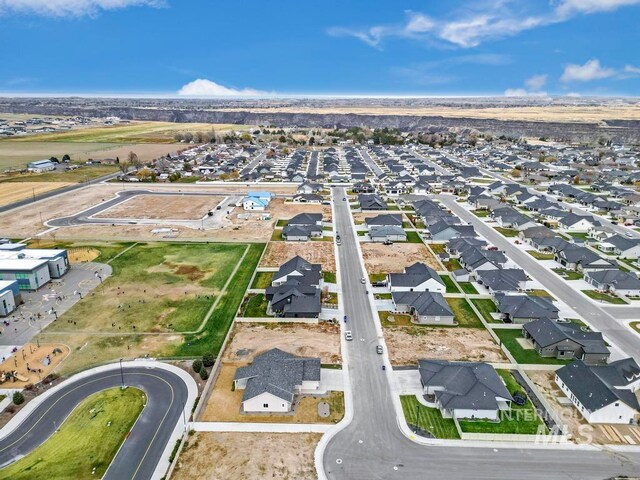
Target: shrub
208,359
18,398
203,373
10,409
197,365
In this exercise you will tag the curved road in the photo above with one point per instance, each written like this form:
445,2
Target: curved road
141,452
372,445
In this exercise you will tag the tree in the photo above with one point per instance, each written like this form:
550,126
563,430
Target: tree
282,139
18,398
576,180
124,167
197,365
516,172
208,359
133,159
66,158
54,160
245,137
203,373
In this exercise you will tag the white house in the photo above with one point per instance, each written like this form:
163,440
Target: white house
416,278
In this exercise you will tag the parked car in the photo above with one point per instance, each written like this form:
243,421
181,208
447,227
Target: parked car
363,280
379,349
348,335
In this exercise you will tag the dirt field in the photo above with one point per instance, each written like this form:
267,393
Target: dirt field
249,339
315,252
225,405
30,356
248,456
577,427
279,209
178,207
19,191
409,344
394,258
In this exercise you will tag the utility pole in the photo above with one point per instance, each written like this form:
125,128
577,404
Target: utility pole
122,376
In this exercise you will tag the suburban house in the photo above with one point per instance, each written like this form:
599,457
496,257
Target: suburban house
576,223
581,259
274,379
387,233
614,281
443,231
525,308
302,227
309,188
566,341
464,390
416,278
385,220
623,247
257,201
502,280
371,202
604,393
295,290
429,308
310,198
474,259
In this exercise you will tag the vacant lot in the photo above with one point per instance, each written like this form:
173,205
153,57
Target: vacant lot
409,344
177,207
159,301
249,339
20,191
248,456
88,439
315,252
394,258
225,405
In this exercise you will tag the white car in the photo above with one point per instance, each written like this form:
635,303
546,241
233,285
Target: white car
363,280
348,336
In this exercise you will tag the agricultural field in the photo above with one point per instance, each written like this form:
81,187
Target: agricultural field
14,193
163,299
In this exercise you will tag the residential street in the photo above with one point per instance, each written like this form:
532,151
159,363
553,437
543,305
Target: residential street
372,445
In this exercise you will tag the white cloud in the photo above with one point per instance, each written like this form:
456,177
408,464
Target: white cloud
480,21
632,70
592,70
206,88
522,92
71,8
536,82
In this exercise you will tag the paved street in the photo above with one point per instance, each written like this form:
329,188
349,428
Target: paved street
591,311
373,447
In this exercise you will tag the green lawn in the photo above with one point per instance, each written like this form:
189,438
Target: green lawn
509,337
255,305
522,419
635,326
84,441
282,222
579,235
481,213
464,314
467,287
427,419
453,264
449,283
568,274
383,296
507,232
437,248
276,236
540,293
413,237
377,277
486,306
603,297
262,280
329,277
540,256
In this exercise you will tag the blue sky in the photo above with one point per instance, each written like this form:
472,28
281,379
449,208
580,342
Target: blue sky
333,47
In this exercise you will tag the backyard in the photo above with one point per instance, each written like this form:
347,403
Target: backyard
486,307
510,338
463,313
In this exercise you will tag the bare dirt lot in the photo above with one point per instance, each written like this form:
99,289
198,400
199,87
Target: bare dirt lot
249,339
225,405
248,456
176,207
19,191
577,427
408,344
278,253
394,258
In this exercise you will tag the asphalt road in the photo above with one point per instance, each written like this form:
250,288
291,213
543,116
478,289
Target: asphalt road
373,447
83,217
142,450
53,193
591,311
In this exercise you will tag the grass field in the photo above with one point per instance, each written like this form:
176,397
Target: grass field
84,441
27,190
156,302
79,175
522,419
427,419
509,339
135,132
463,313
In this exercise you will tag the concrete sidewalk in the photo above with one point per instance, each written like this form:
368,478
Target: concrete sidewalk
260,427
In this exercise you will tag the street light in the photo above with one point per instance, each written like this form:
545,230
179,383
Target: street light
122,376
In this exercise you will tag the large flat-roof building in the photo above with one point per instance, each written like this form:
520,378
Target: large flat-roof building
31,274
9,297
57,259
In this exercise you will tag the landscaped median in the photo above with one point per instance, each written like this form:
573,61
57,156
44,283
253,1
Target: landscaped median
88,439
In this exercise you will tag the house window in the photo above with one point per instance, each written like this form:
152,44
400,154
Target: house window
265,405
